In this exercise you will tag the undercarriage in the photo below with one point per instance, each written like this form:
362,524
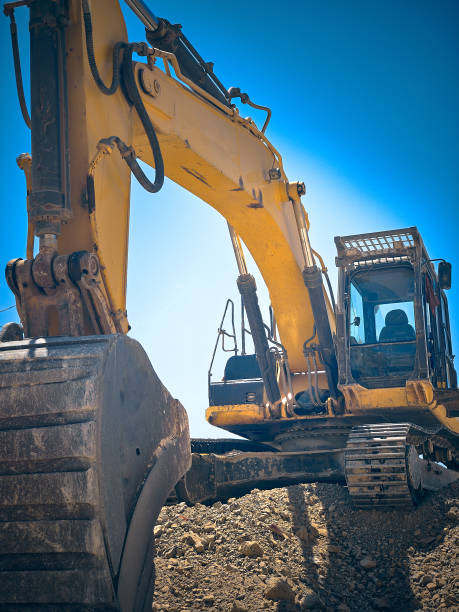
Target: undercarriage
385,465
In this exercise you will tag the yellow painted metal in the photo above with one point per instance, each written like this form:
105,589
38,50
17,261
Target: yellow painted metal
212,152
93,116
238,414
417,394
225,161
231,417
371,403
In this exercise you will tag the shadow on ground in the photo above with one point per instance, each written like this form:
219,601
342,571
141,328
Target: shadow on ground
364,563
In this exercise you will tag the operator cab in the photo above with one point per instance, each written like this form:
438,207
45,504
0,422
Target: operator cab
396,322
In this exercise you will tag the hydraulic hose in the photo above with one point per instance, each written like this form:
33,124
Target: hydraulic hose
108,91
132,93
17,67
105,146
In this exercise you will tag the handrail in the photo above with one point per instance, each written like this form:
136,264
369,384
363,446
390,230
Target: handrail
222,333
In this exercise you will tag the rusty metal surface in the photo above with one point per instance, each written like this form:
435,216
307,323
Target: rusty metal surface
88,435
213,476
61,295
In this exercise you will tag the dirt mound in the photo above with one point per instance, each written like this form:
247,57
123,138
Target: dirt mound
303,548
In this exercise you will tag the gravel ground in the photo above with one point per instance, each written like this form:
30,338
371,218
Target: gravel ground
304,548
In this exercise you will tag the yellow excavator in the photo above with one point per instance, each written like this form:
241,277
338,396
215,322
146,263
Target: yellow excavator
361,391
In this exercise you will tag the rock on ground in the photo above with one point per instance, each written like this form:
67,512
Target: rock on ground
304,548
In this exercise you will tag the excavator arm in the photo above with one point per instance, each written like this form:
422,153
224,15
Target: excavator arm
111,111
206,147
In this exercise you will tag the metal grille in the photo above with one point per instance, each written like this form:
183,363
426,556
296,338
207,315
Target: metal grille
378,260
384,241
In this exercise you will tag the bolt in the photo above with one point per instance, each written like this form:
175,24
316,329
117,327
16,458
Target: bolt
274,174
149,84
93,265
301,187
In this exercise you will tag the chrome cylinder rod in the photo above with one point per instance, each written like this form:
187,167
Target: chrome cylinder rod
142,11
303,233
238,252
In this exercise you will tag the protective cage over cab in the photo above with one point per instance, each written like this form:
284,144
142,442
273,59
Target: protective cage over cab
393,321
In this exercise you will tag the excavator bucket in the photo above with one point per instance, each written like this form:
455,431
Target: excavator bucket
91,444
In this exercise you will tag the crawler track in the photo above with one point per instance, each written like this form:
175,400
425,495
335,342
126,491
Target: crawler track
382,464
377,466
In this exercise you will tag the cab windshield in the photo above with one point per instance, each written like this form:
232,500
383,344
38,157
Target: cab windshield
381,324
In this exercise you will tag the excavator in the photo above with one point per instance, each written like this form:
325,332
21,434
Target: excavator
361,390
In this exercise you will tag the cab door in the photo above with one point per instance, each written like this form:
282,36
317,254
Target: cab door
438,335
450,378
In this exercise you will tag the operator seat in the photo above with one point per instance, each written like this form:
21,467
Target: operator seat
242,383
242,367
397,328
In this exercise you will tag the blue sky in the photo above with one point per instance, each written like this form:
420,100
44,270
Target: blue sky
364,97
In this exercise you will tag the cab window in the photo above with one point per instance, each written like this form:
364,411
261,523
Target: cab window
382,310
382,333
